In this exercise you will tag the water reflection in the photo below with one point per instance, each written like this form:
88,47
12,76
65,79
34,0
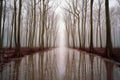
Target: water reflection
60,64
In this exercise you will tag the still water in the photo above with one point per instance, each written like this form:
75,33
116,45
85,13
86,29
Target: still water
60,64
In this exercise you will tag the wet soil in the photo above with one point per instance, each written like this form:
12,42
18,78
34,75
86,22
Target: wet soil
101,52
8,54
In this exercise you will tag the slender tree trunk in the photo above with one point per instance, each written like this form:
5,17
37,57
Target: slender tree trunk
84,36
99,23
4,18
1,9
100,35
82,23
43,22
27,29
108,50
40,25
91,25
97,35
73,32
79,31
31,29
34,25
12,24
19,25
15,27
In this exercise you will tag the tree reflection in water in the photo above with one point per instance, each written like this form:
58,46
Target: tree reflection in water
60,64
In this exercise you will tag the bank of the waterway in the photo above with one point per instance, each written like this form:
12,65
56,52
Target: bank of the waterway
60,64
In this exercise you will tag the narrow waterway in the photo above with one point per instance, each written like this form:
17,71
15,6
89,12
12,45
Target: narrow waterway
60,64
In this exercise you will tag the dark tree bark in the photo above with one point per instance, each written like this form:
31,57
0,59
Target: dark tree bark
19,25
108,50
91,25
1,9
15,15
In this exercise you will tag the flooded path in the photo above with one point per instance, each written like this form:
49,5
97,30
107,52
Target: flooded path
60,64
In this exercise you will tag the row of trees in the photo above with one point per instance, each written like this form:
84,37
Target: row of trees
26,23
88,24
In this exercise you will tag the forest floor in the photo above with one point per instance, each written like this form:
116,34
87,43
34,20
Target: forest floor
101,52
7,54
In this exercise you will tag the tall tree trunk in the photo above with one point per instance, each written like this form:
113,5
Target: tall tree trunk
15,15
97,30
82,23
40,25
43,22
1,8
12,24
4,16
19,25
99,23
31,28
79,31
34,24
91,26
108,50
84,36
